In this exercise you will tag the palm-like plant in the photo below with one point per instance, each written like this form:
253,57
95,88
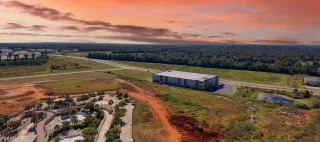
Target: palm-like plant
56,127
74,119
26,56
50,102
39,106
110,102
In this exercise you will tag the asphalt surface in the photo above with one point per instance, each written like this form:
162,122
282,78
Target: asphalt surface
41,128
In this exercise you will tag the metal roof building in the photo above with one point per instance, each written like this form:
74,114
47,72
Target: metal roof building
187,79
312,81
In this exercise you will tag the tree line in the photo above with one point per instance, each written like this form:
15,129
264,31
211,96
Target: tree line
278,60
35,60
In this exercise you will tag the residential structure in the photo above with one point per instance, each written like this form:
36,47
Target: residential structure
187,79
312,81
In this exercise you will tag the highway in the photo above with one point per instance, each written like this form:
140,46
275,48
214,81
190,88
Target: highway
315,90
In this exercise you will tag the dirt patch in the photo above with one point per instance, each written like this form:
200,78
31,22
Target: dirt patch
158,107
15,102
192,130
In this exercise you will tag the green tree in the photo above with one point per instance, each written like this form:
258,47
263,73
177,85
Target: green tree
56,139
89,134
57,127
110,102
74,119
50,102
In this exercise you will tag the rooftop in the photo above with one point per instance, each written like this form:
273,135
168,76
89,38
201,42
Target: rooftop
311,78
186,75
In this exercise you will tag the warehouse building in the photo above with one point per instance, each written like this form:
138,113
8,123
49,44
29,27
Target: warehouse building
187,79
312,81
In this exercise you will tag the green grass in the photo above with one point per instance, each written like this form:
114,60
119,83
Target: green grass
70,63
2,92
145,126
238,75
204,106
79,54
92,65
140,75
80,86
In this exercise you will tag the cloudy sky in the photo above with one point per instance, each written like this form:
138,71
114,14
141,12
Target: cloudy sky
161,21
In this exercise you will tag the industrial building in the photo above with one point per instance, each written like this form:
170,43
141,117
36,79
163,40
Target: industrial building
187,79
312,81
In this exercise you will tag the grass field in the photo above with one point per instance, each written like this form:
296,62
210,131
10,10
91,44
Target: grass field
232,113
79,54
70,63
237,75
140,75
145,125
76,86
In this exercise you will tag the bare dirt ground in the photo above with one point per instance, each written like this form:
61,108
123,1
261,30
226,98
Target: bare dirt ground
158,107
13,104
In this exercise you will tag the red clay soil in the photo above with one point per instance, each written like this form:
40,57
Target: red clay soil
158,107
192,130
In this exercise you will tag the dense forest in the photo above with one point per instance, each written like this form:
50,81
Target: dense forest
288,60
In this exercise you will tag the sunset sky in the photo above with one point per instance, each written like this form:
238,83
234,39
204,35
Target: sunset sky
161,21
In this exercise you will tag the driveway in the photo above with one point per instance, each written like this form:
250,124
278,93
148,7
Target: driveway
41,128
126,129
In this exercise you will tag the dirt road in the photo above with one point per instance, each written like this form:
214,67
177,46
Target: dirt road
158,107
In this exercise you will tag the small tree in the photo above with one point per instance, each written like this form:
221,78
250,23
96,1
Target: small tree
25,56
39,106
66,124
125,95
74,119
89,134
56,139
57,127
50,102
110,102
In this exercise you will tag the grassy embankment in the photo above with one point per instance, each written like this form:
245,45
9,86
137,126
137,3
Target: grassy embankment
229,74
145,126
232,114
70,63
77,86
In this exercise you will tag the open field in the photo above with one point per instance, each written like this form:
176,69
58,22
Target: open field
140,75
145,125
237,75
79,54
59,77
76,86
71,64
232,113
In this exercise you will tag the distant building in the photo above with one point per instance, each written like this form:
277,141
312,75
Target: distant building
312,81
187,79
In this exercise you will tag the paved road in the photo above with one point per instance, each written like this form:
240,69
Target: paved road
41,128
126,129
105,126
